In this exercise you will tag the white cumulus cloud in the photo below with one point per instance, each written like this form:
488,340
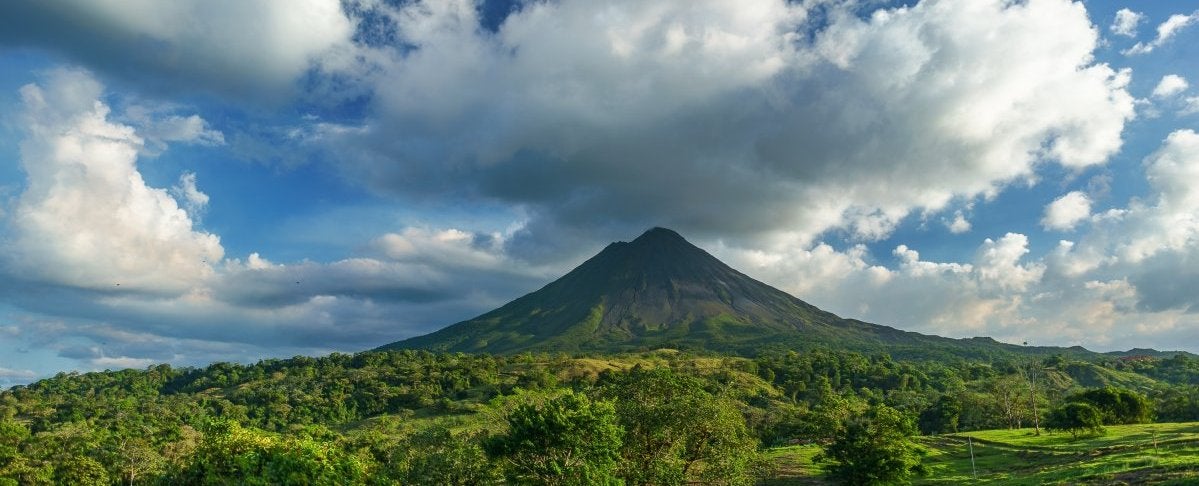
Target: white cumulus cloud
959,224
1170,85
86,217
1125,23
1067,211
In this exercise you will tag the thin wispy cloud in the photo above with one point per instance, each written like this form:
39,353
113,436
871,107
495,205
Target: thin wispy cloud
1165,32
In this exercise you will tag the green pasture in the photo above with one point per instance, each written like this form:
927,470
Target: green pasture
1165,453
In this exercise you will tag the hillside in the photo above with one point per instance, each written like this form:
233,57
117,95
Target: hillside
659,290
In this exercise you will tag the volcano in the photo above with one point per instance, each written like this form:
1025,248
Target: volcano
661,291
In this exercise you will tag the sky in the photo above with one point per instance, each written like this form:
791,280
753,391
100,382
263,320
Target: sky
232,180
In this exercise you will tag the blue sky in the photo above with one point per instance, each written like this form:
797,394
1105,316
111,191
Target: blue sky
191,181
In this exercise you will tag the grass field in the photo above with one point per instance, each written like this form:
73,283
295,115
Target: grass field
1125,454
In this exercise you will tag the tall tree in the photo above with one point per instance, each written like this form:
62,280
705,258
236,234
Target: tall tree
1032,373
875,449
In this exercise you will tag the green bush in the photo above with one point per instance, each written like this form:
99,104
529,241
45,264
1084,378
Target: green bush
1077,418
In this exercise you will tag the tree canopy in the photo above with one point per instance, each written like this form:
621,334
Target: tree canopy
567,441
1077,418
875,449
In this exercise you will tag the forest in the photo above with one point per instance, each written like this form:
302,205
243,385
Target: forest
660,417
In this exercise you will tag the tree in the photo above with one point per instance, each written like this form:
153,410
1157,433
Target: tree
830,414
1076,418
138,458
441,457
1006,392
1117,405
80,470
232,454
875,448
1178,404
569,440
942,417
1032,374
677,432
14,466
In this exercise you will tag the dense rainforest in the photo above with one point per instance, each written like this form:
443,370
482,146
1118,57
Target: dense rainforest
661,417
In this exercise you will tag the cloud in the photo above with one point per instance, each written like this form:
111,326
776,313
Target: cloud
1172,168
86,217
186,191
255,307
96,358
1000,292
11,374
959,224
450,247
1067,211
1152,241
1124,282
1165,31
1125,23
960,299
717,118
998,264
1166,221
1170,85
129,279
1190,106
162,125
245,48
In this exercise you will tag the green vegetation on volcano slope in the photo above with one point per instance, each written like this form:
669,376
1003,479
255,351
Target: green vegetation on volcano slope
403,416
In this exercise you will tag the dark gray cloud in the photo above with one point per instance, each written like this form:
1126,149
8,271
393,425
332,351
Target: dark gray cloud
252,50
1167,281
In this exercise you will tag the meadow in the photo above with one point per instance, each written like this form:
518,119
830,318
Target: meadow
1161,453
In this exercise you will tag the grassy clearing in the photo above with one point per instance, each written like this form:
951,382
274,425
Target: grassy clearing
1122,436
794,465
1126,454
